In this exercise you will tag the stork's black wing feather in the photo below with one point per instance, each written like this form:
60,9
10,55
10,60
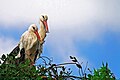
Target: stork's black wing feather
12,54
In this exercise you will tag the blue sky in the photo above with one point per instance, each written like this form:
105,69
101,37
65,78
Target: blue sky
87,29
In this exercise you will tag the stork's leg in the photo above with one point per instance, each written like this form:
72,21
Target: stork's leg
36,54
30,56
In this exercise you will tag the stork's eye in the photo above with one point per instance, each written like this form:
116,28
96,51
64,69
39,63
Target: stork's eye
43,16
34,28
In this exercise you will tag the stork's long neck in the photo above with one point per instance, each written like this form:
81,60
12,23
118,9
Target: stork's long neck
42,31
42,26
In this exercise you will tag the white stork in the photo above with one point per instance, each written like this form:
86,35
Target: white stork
42,32
43,27
30,42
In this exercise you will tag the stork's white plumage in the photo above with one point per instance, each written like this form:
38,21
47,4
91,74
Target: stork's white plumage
43,27
30,42
42,32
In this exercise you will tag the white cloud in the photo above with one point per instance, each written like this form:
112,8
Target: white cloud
68,19
86,18
61,12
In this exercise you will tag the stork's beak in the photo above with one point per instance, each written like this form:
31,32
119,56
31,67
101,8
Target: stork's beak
46,26
37,34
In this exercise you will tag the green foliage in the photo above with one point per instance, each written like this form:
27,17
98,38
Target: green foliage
10,70
21,71
103,73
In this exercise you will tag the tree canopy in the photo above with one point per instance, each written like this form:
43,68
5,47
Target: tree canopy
49,71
